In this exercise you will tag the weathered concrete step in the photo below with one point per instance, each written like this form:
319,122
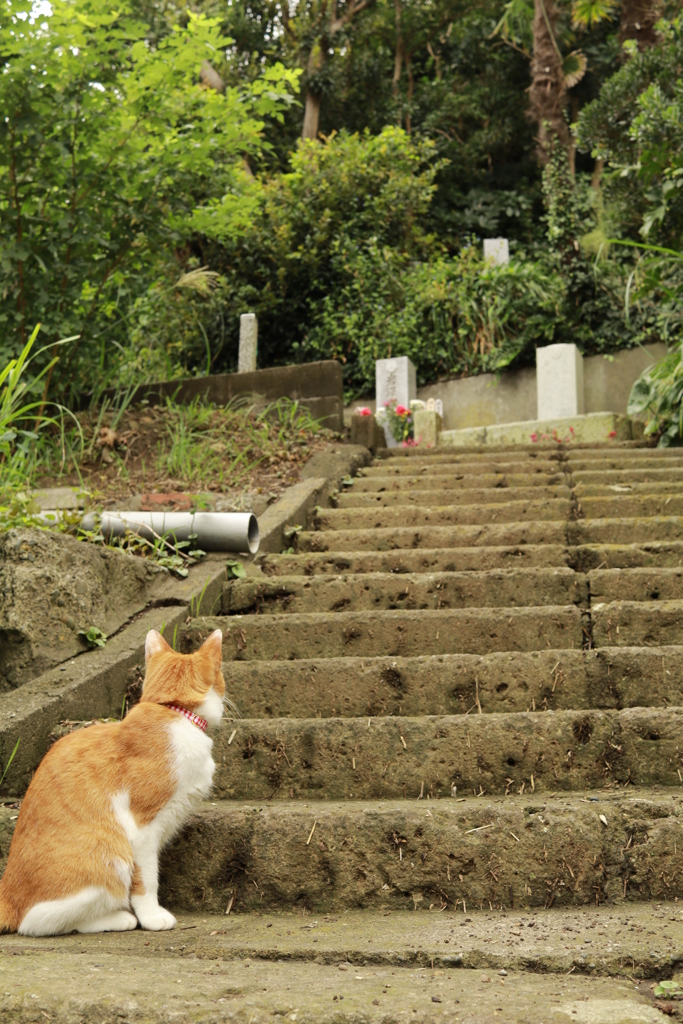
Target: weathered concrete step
640,506
363,966
422,560
626,556
642,584
477,453
459,496
583,558
464,536
597,940
454,482
451,684
472,467
494,589
630,450
441,756
625,530
628,476
653,487
470,514
363,634
625,461
521,851
637,623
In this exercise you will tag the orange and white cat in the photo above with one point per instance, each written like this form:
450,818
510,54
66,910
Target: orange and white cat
106,799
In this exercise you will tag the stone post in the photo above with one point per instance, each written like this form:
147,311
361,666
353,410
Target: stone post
246,360
496,251
394,380
559,382
427,425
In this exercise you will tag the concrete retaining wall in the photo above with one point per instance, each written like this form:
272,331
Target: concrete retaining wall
511,397
317,386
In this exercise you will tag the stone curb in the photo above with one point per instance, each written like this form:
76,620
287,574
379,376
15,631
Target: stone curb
321,476
89,686
93,684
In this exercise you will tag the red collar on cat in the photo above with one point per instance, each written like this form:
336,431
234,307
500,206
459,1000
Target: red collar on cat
201,723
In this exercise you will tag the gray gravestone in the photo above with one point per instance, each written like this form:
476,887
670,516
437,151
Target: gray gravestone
246,360
496,251
394,380
559,382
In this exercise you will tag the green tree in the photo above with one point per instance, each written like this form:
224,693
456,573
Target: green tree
108,147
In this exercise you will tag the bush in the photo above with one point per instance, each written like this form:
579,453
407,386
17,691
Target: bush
450,316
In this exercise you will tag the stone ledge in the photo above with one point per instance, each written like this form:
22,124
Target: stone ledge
91,685
590,428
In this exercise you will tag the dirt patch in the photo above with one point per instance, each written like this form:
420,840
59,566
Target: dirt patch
235,452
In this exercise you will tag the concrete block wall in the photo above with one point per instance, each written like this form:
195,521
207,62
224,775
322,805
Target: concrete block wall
317,386
511,396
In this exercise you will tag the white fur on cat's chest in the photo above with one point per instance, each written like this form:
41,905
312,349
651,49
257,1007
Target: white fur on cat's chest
192,768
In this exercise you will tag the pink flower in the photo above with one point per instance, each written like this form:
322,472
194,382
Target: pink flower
571,430
534,438
401,410
410,443
612,433
363,410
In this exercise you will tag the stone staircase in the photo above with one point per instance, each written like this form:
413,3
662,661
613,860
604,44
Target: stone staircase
463,691
455,790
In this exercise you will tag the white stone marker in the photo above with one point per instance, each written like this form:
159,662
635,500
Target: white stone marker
496,251
246,360
559,382
395,379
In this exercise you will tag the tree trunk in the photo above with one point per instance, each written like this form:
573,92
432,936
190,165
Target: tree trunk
638,20
398,54
311,116
548,93
411,88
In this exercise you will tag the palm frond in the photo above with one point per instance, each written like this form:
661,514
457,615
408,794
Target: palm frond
574,68
588,13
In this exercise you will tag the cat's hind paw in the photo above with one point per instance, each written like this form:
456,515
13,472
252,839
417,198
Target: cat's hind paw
157,920
119,921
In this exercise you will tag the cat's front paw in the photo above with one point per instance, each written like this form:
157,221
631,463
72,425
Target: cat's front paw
158,920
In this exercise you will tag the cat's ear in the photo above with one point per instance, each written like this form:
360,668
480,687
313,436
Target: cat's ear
155,644
213,646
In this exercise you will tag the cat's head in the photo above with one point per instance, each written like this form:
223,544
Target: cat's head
194,681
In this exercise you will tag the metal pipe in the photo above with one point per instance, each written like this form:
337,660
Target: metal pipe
215,531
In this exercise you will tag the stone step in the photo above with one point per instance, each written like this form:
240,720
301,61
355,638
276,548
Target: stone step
470,514
404,633
640,506
521,851
456,496
658,487
465,536
451,684
625,530
443,756
642,584
663,474
590,965
626,556
630,450
471,467
626,461
414,591
637,623
572,532
453,482
583,558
